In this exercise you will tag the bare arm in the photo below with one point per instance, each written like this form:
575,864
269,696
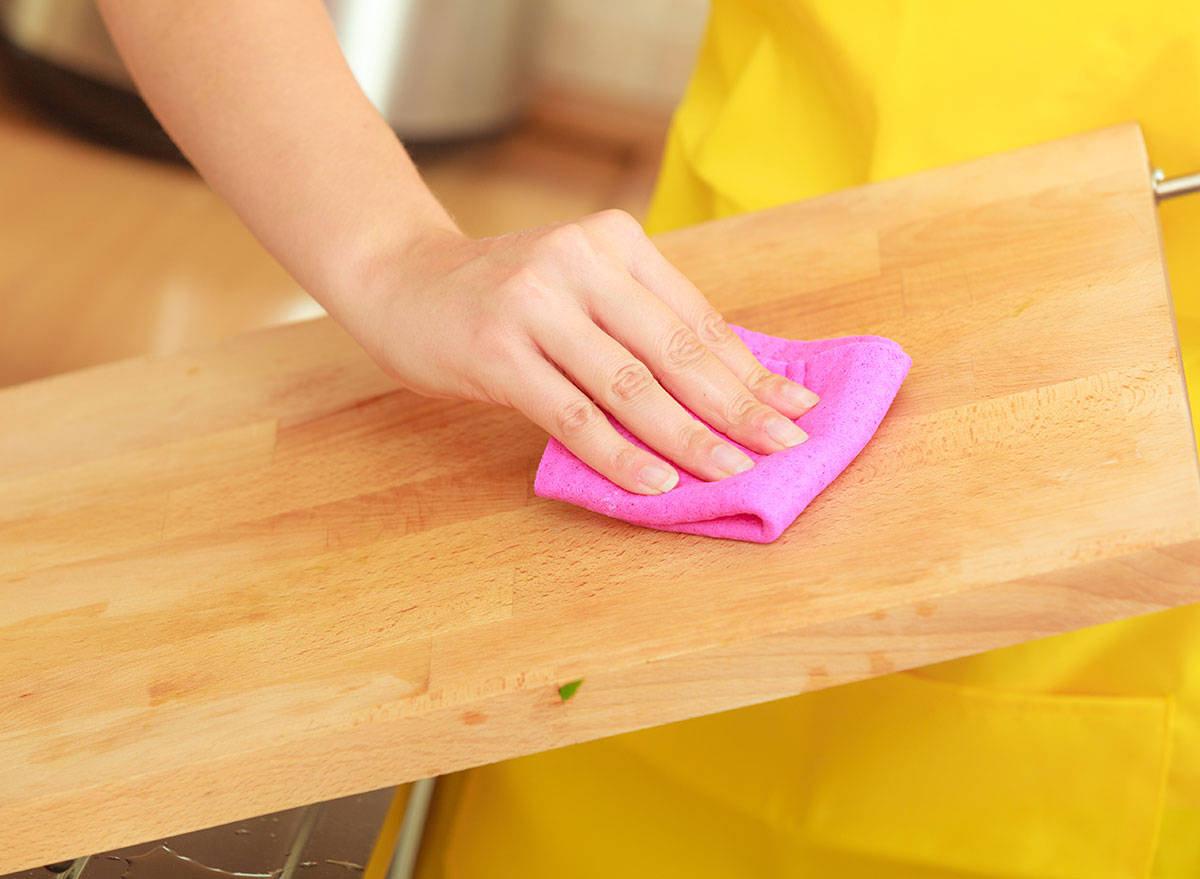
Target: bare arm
259,97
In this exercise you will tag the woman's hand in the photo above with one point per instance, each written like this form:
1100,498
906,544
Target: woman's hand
549,319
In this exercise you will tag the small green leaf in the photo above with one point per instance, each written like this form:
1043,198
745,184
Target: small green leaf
568,690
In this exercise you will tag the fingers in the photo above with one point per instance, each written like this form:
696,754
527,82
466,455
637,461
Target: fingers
654,334
562,410
623,385
649,267
594,331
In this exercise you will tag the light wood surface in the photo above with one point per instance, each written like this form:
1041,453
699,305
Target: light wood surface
255,576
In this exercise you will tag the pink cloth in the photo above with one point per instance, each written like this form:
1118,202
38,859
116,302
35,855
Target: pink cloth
856,377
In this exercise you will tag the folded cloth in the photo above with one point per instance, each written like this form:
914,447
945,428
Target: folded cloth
856,377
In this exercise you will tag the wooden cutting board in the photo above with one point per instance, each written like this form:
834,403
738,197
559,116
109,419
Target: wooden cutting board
258,576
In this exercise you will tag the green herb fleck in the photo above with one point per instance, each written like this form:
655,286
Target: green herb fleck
568,690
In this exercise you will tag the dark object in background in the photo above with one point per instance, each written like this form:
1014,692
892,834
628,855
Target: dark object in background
438,70
92,108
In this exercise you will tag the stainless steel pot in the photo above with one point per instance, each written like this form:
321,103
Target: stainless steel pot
440,68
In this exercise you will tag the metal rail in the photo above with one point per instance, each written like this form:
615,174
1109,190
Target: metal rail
1164,188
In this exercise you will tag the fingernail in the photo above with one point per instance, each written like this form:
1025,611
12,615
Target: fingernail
731,460
798,395
655,477
784,432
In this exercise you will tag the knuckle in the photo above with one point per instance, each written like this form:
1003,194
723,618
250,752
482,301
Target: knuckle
630,381
692,437
576,417
625,458
762,379
740,409
713,329
683,349
523,294
619,221
570,240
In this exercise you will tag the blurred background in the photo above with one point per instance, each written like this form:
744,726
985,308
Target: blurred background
517,113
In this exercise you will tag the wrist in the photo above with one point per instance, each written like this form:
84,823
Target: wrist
374,263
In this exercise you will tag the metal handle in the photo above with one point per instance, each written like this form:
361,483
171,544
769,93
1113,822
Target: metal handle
1164,188
408,842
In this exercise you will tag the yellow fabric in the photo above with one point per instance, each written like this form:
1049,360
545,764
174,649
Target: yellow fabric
1073,756
385,843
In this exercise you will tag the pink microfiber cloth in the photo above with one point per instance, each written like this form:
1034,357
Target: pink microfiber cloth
856,377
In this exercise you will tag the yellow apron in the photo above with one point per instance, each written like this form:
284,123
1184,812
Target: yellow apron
1073,757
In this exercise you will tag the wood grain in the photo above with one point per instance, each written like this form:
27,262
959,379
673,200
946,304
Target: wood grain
255,576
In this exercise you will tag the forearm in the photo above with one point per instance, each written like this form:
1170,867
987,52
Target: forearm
262,102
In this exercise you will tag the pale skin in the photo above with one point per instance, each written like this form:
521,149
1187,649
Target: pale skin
557,322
